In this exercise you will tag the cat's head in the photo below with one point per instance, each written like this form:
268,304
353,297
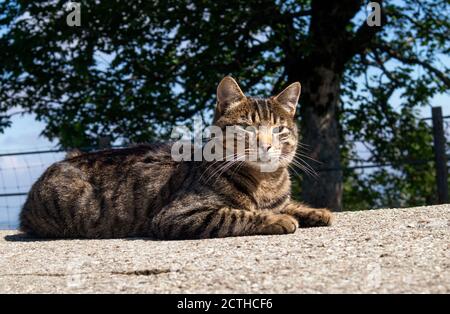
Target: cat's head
268,121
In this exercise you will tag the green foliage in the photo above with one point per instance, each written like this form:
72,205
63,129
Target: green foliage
135,68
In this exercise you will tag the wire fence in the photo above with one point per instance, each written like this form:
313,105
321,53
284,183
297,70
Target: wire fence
19,170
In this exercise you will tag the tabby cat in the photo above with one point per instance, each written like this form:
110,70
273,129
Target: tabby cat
142,191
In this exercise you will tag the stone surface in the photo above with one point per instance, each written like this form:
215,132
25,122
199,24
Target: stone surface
378,251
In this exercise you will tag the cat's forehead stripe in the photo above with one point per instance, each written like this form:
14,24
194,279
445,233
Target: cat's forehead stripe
261,109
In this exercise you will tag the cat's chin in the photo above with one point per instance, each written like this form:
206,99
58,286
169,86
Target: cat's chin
265,166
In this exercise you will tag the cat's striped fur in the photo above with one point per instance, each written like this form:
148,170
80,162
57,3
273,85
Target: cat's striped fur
142,191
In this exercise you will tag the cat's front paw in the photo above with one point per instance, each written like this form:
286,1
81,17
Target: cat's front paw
315,217
279,224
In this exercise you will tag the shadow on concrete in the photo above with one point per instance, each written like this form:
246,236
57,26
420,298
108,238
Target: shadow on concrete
23,237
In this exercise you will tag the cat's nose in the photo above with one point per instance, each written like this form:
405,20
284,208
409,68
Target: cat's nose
266,146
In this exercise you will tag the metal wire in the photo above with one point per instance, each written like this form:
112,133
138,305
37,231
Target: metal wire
18,171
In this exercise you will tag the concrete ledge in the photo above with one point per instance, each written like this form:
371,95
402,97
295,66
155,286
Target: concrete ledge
381,251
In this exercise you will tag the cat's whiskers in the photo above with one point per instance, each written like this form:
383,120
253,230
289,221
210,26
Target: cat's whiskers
307,156
222,159
293,169
214,163
301,160
303,165
227,167
222,168
236,158
299,163
304,146
238,167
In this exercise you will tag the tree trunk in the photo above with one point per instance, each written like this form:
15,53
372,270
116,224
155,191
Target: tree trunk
320,134
319,70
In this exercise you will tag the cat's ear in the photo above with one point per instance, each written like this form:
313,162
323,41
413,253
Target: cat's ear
288,98
228,92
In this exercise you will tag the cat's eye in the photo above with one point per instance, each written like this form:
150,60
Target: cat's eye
278,129
245,127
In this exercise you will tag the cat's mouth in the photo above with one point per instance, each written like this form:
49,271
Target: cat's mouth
262,159
268,162
267,157
266,166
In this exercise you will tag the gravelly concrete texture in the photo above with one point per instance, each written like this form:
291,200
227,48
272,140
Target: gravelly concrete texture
381,251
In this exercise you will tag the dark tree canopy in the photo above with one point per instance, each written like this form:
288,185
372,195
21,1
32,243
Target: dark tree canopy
135,68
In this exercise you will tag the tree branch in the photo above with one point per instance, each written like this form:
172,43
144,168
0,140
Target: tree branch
363,36
413,60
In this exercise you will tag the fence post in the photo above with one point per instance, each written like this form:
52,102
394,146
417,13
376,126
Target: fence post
440,156
104,142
